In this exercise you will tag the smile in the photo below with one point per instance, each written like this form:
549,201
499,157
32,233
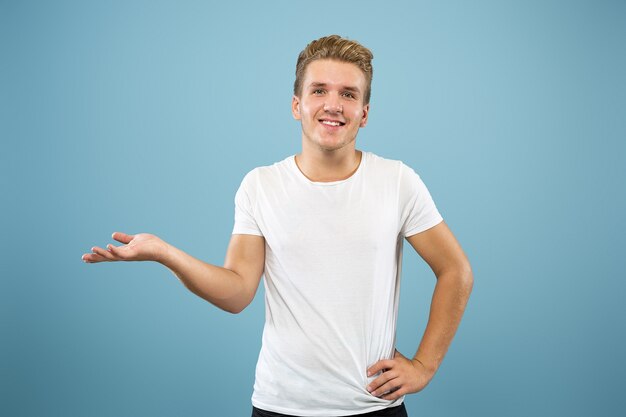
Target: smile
332,122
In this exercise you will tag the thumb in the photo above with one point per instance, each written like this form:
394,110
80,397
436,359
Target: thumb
122,237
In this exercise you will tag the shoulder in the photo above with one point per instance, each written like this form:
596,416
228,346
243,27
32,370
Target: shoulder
392,167
268,173
398,175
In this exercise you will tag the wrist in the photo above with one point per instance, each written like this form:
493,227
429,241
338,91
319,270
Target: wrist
428,367
166,255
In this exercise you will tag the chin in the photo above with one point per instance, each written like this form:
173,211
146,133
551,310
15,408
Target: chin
333,146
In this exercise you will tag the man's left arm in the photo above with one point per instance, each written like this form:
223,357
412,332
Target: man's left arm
401,375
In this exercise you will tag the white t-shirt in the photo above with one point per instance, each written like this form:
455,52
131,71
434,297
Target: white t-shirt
333,253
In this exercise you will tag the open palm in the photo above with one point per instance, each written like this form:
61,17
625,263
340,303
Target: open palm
139,247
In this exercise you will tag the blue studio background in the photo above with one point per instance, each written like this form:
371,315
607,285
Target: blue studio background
145,115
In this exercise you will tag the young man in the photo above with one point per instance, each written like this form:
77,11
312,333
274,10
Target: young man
326,228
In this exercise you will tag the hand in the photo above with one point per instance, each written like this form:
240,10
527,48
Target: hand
400,376
139,247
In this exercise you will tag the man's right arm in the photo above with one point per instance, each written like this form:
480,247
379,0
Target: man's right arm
231,287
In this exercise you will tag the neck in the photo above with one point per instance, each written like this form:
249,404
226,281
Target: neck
328,166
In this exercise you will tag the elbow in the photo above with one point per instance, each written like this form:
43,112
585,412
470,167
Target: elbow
234,309
234,306
459,276
467,278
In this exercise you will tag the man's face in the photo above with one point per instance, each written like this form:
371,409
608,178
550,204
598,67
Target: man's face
330,105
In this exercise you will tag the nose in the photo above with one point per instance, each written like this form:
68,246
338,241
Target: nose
332,105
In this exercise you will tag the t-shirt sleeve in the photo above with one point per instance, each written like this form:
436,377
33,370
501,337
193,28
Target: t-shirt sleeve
245,223
417,208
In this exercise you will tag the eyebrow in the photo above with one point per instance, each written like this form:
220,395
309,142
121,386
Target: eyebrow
346,88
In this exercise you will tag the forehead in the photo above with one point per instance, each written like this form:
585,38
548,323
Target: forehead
332,72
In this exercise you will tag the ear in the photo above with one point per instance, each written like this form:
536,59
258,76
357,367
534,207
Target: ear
366,111
295,107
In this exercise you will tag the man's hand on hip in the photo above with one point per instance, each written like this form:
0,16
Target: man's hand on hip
400,376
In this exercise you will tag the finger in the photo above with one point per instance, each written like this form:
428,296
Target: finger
121,253
387,388
114,250
394,395
122,237
379,382
93,258
103,253
380,366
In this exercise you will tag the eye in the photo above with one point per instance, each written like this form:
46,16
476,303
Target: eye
318,91
348,94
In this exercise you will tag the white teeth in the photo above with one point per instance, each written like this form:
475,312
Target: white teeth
328,122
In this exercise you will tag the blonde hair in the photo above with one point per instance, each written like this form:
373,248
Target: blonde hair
337,48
